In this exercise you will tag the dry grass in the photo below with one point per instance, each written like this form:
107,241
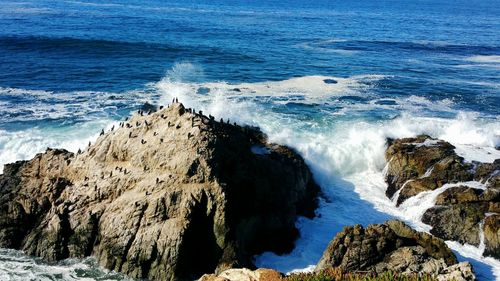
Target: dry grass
338,275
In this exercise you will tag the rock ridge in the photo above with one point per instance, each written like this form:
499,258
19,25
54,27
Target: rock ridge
169,194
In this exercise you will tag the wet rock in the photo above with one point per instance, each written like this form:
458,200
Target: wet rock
171,196
492,235
388,246
421,164
330,81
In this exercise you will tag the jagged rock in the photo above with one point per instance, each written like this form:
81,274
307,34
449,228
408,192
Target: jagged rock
422,164
165,196
244,274
390,246
457,272
492,235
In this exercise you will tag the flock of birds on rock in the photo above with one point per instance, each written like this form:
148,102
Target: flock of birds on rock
141,113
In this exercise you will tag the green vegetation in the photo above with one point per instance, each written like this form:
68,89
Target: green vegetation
338,275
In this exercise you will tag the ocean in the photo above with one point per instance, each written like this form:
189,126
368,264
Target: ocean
332,79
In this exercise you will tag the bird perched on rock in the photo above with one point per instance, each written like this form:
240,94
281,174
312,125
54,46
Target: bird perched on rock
102,132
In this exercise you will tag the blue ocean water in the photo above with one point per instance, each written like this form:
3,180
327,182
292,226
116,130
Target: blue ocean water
333,79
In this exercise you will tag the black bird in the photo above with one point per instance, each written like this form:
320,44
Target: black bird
112,128
173,100
86,179
102,132
146,123
89,144
143,141
176,100
110,174
201,112
222,120
155,134
157,180
228,120
137,123
129,134
79,151
161,140
161,107
126,118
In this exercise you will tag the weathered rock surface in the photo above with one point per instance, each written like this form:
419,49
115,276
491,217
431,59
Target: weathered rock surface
422,164
392,246
244,274
165,196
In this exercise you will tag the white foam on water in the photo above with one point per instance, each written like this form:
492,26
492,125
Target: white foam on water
31,105
347,158
25,144
16,266
484,59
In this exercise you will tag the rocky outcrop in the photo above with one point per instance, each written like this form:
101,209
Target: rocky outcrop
462,213
168,195
422,164
392,246
244,274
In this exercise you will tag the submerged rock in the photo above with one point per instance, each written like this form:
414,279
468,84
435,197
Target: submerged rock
392,246
166,196
462,213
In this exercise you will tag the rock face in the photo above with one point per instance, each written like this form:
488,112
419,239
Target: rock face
462,212
244,274
165,196
392,246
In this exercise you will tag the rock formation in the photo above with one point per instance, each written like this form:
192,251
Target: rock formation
461,212
392,246
167,195
244,274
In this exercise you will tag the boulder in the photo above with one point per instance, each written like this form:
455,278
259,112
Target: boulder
420,164
169,195
391,246
244,274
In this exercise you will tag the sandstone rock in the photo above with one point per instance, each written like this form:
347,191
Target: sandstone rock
165,196
388,246
244,274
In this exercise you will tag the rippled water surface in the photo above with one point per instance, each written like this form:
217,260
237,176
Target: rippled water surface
332,79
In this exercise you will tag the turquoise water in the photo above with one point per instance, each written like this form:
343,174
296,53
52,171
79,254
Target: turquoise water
332,79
